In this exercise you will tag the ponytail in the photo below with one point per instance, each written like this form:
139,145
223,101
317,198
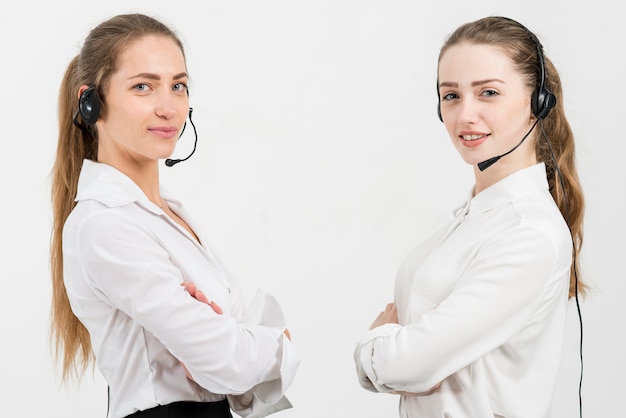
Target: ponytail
70,337
94,66
569,198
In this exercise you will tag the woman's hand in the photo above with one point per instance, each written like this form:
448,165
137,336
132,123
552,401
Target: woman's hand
198,295
388,316
201,297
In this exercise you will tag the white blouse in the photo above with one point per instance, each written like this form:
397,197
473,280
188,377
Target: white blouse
124,261
482,306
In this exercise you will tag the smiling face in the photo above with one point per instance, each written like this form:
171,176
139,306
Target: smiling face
146,104
485,106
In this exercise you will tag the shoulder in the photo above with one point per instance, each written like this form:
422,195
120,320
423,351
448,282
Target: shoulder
538,212
534,233
94,222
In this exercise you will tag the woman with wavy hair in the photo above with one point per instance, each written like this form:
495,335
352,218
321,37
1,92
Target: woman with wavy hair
478,321
135,285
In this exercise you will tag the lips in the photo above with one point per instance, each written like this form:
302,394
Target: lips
473,140
164,132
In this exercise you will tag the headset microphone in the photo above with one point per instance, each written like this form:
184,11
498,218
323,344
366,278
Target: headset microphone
482,166
171,162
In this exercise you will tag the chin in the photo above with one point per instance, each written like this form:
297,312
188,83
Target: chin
166,153
473,160
472,157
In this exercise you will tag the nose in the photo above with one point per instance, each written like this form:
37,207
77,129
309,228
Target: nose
167,105
165,112
468,110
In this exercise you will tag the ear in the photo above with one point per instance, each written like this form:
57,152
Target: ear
82,89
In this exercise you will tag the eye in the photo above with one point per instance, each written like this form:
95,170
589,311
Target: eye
180,87
141,87
489,93
449,96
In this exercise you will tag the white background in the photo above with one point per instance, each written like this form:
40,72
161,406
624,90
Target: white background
320,163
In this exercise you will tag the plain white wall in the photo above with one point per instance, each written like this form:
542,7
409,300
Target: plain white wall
320,163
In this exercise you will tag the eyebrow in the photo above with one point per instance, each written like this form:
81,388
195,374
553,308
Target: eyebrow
474,83
156,76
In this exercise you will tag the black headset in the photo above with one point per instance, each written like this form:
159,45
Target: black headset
542,99
89,105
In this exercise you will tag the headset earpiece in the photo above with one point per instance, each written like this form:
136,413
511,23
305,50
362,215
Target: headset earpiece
89,106
542,101
438,102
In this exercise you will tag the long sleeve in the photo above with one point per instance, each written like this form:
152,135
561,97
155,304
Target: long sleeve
124,262
493,300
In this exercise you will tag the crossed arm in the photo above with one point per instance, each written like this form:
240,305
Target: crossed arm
390,316
201,297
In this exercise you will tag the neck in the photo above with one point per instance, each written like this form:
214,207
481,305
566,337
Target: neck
501,169
145,175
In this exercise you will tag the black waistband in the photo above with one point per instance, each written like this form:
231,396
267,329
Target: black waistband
185,409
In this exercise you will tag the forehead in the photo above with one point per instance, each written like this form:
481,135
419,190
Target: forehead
466,62
152,54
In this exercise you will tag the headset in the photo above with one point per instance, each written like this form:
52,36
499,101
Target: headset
542,101
89,105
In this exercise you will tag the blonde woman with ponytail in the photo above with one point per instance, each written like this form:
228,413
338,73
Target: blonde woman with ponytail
136,288
478,321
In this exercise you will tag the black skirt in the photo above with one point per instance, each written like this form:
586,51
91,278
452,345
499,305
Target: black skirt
185,409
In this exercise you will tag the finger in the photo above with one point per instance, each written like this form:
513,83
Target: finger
191,288
201,297
215,307
188,286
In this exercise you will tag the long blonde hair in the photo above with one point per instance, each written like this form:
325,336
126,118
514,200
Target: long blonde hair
521,46
94,66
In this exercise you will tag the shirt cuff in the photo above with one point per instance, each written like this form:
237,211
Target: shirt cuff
268,397
364,357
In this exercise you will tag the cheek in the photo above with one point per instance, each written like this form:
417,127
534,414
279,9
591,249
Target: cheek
121,122
183,108
515,114
133,115
117,119
451,129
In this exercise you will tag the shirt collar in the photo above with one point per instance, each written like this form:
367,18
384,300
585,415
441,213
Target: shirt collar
510,188
109,186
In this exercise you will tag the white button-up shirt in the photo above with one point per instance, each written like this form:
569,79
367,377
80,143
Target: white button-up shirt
481,306
124,261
